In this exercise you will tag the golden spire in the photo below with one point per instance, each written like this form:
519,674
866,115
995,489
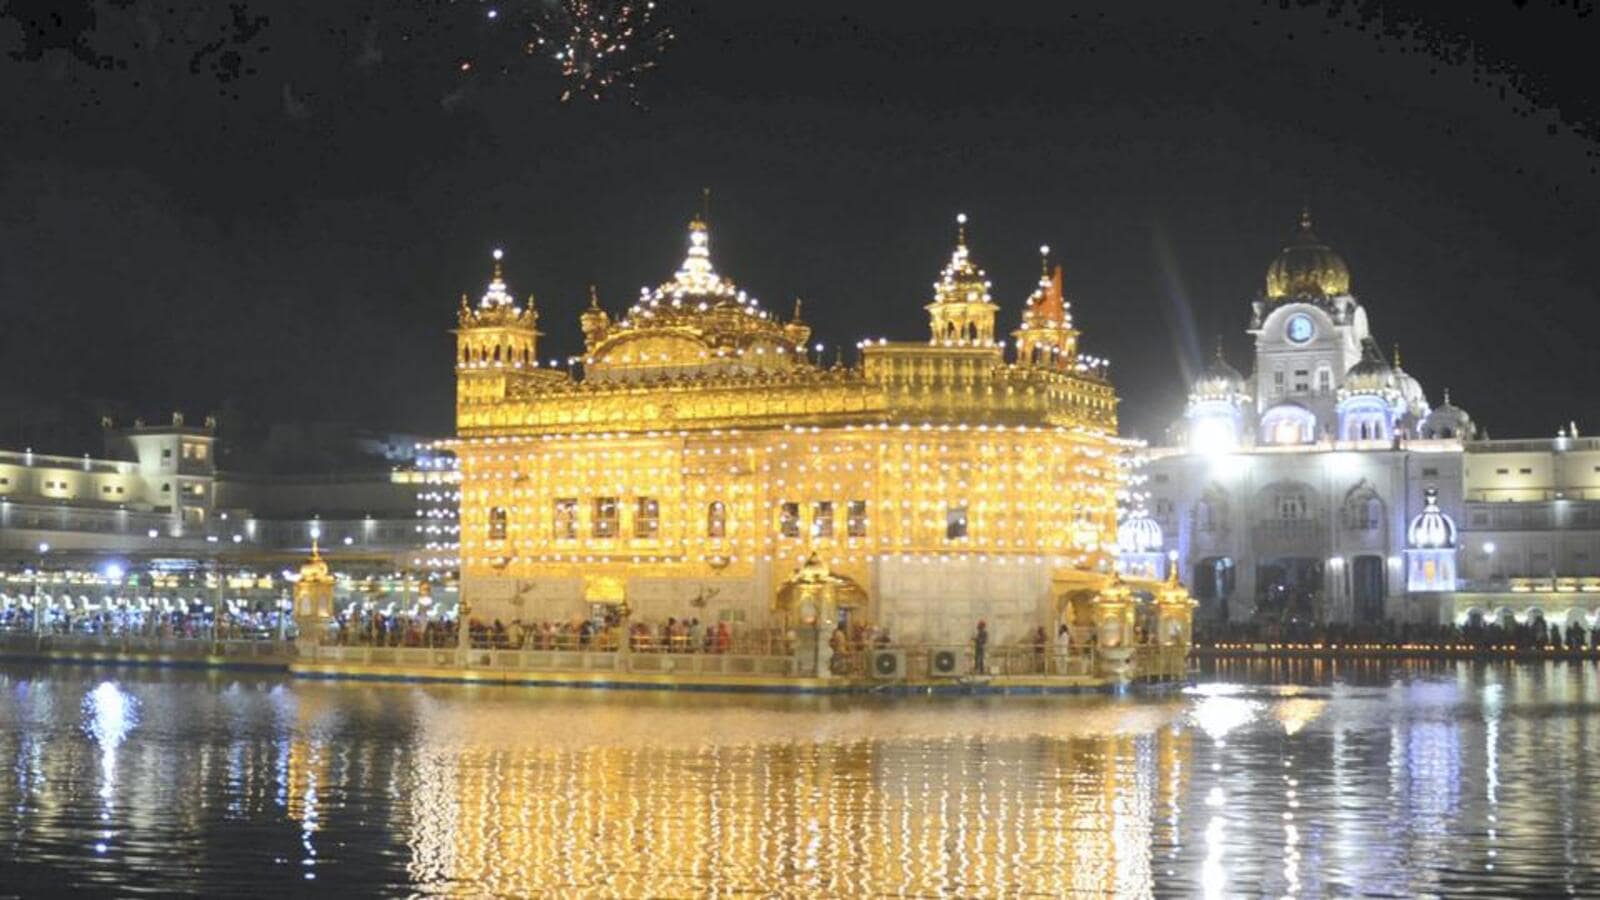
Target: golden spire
593,320
315,569
961,229
797,317
497,294
1305,216
1397,354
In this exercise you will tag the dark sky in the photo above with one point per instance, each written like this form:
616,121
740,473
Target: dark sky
273,206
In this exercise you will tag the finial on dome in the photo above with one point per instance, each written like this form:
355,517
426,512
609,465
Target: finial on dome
705,204
1305,216
496,294
797,317
594,297
1397,354
1446,396
1044,260
961,229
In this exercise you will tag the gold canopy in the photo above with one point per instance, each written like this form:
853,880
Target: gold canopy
815,582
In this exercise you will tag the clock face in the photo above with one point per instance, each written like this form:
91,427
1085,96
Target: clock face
1300,328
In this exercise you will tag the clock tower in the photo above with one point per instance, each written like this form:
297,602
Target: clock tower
1309,331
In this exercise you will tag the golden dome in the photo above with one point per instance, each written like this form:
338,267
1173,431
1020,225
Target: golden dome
315,570
1307,269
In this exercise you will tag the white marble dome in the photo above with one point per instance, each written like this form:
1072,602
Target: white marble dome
1139,534
1431,529
1448,421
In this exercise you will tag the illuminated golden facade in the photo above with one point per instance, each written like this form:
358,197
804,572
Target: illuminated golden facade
701,452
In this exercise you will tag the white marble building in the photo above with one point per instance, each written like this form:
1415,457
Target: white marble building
1325,485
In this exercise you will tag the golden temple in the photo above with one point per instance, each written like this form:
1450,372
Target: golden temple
699,452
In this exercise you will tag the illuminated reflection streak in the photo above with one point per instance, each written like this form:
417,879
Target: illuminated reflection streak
1491,765
954,816
110,714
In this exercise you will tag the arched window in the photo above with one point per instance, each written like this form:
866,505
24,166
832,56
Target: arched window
1291,506
1288,424
1363,510
716,519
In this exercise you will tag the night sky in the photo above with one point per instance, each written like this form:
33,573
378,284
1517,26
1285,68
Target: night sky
272,207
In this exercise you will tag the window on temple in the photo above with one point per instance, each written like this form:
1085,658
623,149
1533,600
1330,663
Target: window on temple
855,518
1363,511
1291,507
822,519
646,518
955,521
566,519
497,523
606,512
789,520
717,519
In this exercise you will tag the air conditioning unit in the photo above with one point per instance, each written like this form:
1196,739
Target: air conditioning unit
888,664
944,664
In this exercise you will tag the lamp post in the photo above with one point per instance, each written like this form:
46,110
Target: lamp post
625,625
284,605
38,598
463,626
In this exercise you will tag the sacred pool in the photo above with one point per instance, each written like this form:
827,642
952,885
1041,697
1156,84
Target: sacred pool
1379,777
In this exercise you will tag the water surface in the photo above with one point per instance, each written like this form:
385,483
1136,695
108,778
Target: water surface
1379,778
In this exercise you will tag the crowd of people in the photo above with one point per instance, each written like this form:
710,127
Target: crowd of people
1534,634
686,634
185,624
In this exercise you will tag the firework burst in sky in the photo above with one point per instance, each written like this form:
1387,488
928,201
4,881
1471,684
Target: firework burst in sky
600,47
603,47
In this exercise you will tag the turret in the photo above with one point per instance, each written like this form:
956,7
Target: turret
796,329
961,312
1046,338
594,321
1370,401
1214,418
497,344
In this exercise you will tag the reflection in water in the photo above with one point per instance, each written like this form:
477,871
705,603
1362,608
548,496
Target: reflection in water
109,715
1400,780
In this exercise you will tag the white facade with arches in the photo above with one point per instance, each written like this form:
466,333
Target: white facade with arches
1324,485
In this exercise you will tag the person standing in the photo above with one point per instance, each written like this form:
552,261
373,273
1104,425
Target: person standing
980,644
1063,648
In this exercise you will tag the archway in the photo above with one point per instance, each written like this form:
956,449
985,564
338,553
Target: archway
1289,588
1368,589
1213,585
